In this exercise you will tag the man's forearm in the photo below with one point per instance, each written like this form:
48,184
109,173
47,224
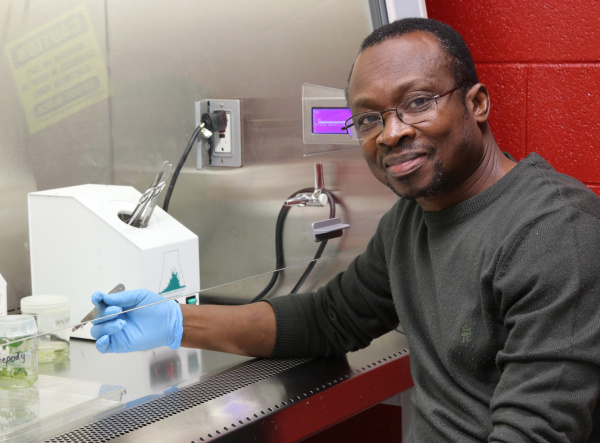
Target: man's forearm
246,329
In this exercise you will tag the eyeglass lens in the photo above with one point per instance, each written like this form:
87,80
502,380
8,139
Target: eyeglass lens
411,111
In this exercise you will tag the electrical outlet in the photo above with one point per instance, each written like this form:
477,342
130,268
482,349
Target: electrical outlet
225,146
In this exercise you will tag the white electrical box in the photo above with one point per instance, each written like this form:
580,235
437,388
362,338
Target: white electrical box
79,244
225,146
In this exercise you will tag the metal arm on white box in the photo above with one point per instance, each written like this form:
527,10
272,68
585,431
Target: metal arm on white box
317,198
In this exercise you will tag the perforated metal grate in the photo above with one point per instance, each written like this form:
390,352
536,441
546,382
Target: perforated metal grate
365,366
175,402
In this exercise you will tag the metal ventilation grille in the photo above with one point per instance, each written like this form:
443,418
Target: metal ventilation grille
221,433
175,402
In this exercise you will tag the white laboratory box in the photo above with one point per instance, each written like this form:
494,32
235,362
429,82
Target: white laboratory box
79,244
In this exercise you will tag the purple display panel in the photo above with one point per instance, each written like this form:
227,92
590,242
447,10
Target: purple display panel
329,120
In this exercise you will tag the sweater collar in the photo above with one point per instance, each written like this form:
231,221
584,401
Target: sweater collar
473,205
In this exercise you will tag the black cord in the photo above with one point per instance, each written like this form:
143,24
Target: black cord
179,167
279,257
321,247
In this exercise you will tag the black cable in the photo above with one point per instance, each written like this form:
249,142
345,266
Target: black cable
279,257
179,167
321,247
279,263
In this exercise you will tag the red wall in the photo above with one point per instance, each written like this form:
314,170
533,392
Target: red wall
540,62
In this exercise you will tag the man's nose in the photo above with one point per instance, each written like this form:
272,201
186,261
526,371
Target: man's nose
394,129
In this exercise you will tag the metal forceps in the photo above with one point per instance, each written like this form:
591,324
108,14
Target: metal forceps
94,312
151,204
147,202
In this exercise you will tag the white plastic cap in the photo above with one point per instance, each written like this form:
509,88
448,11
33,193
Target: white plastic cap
44,304
14,326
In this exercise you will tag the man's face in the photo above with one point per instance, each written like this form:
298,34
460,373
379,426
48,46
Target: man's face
427,160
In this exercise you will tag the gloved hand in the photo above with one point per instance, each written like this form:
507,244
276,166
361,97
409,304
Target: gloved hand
149,327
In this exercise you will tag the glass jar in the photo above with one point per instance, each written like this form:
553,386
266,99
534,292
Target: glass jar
3,304
18,351
52,313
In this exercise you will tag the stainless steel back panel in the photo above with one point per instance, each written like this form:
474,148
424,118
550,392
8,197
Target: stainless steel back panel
160,57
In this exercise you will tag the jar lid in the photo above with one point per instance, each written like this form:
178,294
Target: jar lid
43,304
14,326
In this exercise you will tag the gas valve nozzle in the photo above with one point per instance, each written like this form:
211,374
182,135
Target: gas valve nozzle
317,198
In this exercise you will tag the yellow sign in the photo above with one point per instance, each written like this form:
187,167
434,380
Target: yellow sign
58,69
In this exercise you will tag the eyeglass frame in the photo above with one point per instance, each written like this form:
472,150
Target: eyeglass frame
382,119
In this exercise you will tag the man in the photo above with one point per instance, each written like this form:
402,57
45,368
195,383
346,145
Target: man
490,266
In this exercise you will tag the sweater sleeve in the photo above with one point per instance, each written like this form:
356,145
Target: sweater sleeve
548,292
344,315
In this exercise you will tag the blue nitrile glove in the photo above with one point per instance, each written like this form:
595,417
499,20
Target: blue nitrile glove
146,328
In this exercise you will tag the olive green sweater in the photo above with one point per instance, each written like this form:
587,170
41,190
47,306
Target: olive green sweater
499,298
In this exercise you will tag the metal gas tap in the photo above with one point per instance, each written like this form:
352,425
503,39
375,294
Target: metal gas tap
317,198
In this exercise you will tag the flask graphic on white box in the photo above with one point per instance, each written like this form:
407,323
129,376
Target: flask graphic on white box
172,282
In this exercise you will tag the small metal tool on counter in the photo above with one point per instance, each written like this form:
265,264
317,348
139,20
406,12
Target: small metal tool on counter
94,312
143,211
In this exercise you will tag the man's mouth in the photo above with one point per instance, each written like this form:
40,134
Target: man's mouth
404,164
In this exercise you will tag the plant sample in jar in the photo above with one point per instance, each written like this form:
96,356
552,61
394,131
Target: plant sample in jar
18,351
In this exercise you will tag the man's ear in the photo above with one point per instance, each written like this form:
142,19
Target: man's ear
478,100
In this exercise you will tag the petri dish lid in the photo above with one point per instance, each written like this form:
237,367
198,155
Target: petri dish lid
14,326
43,304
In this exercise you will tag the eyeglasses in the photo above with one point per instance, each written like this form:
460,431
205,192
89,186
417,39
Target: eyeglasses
413,110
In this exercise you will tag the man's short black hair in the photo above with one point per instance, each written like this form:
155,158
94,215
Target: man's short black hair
461,62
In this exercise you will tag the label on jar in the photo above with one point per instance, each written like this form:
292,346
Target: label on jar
16,360
62,322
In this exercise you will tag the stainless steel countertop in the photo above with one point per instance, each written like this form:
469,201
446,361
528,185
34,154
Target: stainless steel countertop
143,374
193,396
